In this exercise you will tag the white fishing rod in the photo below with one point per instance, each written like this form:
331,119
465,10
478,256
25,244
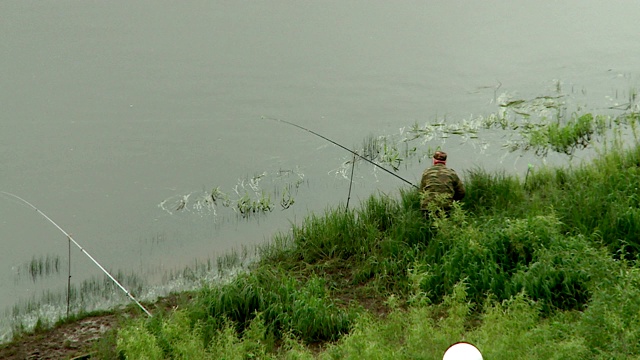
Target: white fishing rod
83,251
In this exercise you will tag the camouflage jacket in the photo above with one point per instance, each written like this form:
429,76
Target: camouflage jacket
439,179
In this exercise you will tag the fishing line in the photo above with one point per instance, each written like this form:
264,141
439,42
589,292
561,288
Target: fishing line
343,147
83,251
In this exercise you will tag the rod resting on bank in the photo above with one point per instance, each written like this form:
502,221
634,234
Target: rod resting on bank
81,249
345,148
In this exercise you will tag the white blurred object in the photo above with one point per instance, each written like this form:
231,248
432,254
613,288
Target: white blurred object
462,351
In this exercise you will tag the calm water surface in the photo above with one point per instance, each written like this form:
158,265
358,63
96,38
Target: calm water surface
113,112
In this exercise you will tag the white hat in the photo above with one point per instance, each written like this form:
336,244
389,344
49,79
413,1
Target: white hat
462,351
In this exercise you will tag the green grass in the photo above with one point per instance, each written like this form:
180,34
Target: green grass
537,268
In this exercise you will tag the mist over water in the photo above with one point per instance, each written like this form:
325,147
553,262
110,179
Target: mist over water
115,113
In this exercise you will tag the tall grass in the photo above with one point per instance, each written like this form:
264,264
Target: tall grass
599,198
537,268
259,305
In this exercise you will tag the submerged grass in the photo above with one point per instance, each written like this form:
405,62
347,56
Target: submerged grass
40,267
99,293
538,268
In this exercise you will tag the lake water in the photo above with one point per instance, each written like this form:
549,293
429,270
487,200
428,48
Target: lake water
116,114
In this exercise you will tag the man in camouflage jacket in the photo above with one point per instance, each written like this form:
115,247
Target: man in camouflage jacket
440,185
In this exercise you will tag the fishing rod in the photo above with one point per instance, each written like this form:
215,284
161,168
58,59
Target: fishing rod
353,165
83,250
343,147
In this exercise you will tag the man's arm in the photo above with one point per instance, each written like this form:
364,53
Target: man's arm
458,188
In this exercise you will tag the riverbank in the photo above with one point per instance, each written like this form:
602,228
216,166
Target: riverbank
538,268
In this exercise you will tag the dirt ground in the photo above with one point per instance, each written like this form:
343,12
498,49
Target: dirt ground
69,341
77,339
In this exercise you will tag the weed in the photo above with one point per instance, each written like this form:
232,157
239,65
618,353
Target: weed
39,267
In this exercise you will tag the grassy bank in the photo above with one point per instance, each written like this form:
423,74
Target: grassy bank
542,266
537,268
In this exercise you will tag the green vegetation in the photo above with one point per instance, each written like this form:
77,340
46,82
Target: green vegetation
543,267
252,196
543,124
537,268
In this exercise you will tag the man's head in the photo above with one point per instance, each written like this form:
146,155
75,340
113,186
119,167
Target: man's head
440,157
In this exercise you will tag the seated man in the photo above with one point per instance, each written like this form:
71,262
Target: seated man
440,186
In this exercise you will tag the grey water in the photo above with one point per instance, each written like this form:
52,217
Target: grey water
119,118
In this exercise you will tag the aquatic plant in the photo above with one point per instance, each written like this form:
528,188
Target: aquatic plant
248,197
542,124
39,267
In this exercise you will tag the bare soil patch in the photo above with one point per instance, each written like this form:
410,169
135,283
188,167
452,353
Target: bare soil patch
66,341
77,339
